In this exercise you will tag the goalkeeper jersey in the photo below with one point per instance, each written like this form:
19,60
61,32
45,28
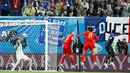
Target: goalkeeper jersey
18,49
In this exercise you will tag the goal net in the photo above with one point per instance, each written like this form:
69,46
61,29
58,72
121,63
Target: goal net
48,37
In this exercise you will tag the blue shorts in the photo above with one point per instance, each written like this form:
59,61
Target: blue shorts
109,49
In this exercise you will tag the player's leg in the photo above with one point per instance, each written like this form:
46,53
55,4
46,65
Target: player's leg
25,57
63,59
72,61
64,50
83,57
71,57
94,57
112,60
92,48
108,58
60,67
18,58
112,57
83,54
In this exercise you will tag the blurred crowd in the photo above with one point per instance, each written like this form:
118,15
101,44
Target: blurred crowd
113,8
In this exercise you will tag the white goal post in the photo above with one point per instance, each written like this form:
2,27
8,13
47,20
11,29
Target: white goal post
4,23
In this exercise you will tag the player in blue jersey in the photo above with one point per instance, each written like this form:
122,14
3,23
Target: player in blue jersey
110,50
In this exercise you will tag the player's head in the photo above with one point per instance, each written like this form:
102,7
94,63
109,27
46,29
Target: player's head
19,39
113,31
90,28
72,32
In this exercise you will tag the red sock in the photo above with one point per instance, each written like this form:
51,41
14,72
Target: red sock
94,58
83,58
71,60
63,59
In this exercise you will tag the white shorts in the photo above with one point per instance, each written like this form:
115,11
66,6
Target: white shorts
22,57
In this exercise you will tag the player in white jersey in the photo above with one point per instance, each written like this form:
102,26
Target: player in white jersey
19,46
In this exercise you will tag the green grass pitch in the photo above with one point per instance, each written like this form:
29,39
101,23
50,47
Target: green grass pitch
53,72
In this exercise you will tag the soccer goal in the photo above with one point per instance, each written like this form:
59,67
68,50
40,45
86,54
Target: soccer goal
50,38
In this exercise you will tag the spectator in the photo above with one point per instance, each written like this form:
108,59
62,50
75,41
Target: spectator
72,11
115,8
118,11
14,7
76,4
125,12
79,11
83,11
85,4
41,11
108,11
92,11
128,7
53,7
100,12
60,4
77,7
29,11
24,6
64,11
57,10
49,12
103,5
97,4
124,46
45,4
5,8
35,3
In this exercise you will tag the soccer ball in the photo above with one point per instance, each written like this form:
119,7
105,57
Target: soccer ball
25,35
11,65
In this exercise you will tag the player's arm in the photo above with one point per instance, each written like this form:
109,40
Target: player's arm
15,47
106,43
24,42
63,38
96,38
82,34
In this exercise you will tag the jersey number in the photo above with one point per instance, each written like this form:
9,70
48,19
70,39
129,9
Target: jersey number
90,35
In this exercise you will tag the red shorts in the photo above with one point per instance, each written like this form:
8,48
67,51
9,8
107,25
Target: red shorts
91,46
67,50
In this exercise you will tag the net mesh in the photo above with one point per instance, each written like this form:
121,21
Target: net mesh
36,31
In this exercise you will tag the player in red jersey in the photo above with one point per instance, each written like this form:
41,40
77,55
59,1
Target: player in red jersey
67,41
90,39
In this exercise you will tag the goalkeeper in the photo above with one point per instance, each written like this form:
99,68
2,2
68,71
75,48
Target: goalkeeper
19,44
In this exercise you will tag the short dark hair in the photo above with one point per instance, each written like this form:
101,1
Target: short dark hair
124,39
71,31
113,31
90,28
